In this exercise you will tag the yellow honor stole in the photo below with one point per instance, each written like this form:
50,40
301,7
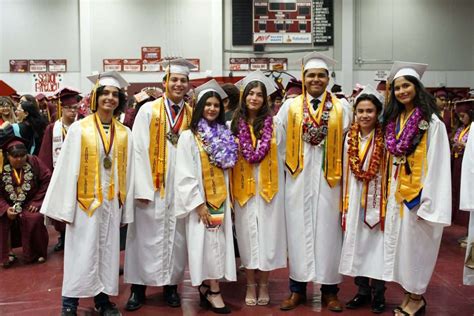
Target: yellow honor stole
158,141
243,182
332,162
214,186
89,184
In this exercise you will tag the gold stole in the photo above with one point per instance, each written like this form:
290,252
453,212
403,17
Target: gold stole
332,162
243,183
158,142
214,185
410,185
88,196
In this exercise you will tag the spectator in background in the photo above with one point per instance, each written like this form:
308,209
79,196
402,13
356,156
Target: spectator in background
30,126
7,111
232,100
23,184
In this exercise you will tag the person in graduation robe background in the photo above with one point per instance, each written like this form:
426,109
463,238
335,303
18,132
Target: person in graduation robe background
314,123
362,217
155,253
419,188
91,190
258,184
53,139
24,181
204,155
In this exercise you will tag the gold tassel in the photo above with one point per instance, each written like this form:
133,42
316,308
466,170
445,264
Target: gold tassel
93,97
59,110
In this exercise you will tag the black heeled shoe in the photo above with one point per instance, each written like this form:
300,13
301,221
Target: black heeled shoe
202,294
208,304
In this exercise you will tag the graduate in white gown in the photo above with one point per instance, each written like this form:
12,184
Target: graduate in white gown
205,153
155,252
466,203
258,187
91,191
314,123
362,217
419,186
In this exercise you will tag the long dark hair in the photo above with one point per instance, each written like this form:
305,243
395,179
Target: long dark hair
423,99
122,100
199,109
242,111
34,118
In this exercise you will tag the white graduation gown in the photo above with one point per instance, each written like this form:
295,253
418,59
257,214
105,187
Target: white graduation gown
155,253
466,202
260,226
211,252
92,244
411,245
362,247
313,223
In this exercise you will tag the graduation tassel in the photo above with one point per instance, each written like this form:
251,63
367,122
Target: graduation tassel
59,110
93,97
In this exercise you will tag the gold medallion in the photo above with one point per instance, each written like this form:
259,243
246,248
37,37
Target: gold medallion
107,163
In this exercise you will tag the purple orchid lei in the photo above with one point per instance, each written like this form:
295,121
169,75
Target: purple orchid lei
219,144
250,154
464,137
410,137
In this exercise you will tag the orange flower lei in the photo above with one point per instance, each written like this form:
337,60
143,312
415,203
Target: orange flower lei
353,152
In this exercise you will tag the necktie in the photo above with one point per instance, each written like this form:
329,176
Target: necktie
315,103
176,109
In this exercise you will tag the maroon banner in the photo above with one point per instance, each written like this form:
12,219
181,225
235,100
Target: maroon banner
19,65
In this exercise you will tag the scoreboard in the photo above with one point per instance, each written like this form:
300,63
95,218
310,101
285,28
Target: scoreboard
282,21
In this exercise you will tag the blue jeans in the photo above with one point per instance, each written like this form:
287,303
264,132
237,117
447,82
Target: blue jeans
71,303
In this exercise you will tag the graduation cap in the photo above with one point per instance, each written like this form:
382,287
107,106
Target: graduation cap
370,90
464,106
257,76
211,85
403,68
177,66
13,141
41,97
382,85
294,87
317,60
109,78
68,96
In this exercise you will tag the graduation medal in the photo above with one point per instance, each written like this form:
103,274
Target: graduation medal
172,137
107,163
17,194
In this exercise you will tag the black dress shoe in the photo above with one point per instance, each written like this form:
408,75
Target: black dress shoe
108,309
135,301
378,305
358,301
171,296
60,245
68,312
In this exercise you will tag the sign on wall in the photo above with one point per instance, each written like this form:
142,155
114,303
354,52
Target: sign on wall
151,53
113,64
258,63
57,65
132,65
38,65
323,26
278,64
46,82
151,65
282,21
196,62
237,64
19,65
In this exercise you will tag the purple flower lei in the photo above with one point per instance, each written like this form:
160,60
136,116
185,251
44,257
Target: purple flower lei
250,154
219,144
464,137
410,136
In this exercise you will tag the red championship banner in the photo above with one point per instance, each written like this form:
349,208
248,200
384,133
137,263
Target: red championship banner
258,63
278,64
151,53
196,62
112,64
132,65
57,65
236,64
46,82
38,65
19,65
151,65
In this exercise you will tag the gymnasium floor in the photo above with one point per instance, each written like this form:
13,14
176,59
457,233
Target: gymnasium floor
36,290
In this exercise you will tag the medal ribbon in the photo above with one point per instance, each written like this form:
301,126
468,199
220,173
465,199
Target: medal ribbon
107,140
